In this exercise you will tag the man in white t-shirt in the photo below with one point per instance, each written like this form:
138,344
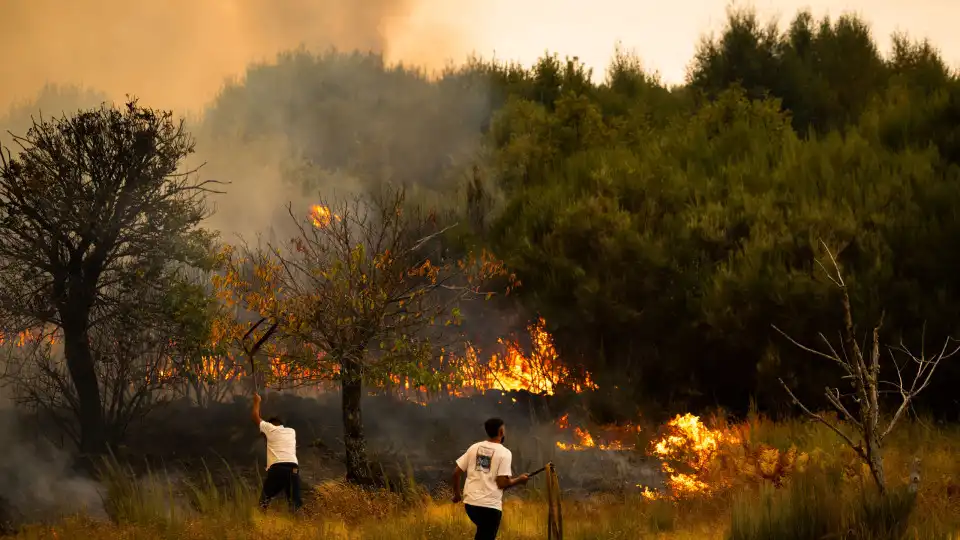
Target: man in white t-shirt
283,470
487,465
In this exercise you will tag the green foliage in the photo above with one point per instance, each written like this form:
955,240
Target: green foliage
825,72
660,244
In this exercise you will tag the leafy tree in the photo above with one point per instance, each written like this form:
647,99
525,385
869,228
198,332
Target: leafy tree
746,54
825,73
366,289
96,214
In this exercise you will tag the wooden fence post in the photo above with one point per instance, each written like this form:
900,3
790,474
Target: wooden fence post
554,506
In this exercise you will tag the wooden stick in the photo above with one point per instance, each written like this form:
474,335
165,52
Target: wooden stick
538,471
251,352
554,508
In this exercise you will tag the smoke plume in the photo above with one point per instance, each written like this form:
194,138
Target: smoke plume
176,54
257,124
38,479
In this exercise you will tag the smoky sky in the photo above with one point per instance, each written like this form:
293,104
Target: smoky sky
176,54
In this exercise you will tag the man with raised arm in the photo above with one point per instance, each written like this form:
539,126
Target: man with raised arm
488,468
283,470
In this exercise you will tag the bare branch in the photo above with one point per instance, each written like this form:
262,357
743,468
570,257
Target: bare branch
856,448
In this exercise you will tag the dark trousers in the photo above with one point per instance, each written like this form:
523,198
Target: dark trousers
487,521
282,478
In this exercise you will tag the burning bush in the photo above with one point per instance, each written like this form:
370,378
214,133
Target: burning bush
689,452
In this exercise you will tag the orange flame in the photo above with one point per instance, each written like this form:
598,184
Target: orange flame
612,438
321,215
686,442
538,373
690,443
21,339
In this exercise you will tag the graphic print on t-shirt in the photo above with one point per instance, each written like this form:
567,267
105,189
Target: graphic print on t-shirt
484,458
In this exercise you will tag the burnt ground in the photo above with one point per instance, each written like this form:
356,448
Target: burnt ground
404,439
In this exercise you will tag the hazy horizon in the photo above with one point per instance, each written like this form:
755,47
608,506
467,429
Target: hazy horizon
178,54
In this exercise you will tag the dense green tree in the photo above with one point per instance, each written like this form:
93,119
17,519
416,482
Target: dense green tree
824,72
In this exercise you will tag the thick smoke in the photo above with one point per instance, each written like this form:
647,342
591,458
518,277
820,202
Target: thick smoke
38,478
177,53
210,62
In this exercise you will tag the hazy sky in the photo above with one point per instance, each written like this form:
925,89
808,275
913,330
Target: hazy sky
176,53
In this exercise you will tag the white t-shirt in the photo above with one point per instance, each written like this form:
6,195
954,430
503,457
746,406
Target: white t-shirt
281,443
484,462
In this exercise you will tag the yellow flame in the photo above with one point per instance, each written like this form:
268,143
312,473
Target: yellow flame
538,373
612,438
690,442
321,215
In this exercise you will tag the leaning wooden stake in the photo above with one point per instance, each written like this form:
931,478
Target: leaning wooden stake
554,507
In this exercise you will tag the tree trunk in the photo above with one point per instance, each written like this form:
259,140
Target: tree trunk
875,462
76,345
351,391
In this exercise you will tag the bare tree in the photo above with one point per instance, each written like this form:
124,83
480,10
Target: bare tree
92,208
366,286
862,407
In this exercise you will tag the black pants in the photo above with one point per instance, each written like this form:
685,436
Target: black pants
487,521
282,478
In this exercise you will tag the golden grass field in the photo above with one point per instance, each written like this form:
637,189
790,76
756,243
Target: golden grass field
823,493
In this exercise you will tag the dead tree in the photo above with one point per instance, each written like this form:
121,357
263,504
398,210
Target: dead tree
863,411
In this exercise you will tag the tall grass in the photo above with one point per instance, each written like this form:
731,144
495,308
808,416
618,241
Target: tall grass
147,500
823,502
231,502
808,509
816,505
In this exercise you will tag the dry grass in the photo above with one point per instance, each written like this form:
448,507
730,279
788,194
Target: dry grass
831,498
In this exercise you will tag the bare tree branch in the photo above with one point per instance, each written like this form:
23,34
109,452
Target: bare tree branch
864,375
819,418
